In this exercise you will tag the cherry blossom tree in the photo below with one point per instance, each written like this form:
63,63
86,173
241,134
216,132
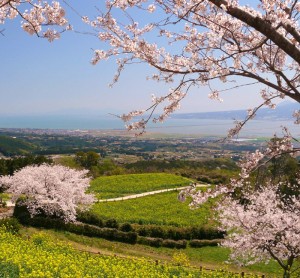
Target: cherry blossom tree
51,189
262,220
219,44
38,17
266,227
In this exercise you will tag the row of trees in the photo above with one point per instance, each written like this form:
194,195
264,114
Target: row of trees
9,166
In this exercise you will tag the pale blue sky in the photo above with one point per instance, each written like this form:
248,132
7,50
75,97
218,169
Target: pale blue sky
38,77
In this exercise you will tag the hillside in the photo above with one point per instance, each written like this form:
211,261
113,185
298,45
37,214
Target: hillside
14,146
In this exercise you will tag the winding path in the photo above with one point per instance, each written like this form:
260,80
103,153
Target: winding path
11,204
148,193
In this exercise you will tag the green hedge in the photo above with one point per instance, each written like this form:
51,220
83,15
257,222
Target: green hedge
177,233
159,242
154,242
202,243
178,244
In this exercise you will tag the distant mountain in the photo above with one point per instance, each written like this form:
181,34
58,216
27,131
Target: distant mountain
283,111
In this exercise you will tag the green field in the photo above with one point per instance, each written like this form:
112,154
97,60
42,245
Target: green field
161,209
122,185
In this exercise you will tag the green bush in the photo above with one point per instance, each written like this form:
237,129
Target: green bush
206,233
178,244
112,223
205,242
21,212
11,224
178,233
126,227
154,242
90,218
87,230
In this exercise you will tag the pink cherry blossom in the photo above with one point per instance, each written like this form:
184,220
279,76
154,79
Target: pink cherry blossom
56,189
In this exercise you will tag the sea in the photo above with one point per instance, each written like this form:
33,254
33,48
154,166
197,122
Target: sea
197,127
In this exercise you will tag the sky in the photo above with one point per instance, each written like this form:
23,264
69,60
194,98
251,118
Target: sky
40,78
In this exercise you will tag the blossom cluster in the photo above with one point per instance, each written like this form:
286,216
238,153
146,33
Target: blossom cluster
267,227
56,190
213,41
36,15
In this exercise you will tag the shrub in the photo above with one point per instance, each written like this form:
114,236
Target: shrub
126,227
21,212
89,218
87,230
154,242
202,243
178,244
11,224
178,233
206,233
112,223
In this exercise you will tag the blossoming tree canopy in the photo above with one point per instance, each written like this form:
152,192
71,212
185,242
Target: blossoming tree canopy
38,16
221,44
267,227
52,189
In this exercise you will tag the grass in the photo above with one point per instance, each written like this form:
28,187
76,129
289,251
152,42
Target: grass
160,209
122,185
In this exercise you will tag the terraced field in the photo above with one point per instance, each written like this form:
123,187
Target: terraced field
40,256
161,209
123,185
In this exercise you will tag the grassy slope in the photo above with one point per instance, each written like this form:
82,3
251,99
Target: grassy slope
122,185
15,146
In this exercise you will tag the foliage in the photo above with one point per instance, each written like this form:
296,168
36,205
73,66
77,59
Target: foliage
81,229
9,166
11,225
151,241
106,167
201,243
87,160
178,244
10,146
212,171
156,209
122,185
178,233
67,161
266,227
51,190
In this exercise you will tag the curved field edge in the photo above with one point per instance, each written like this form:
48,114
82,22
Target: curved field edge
123,185
41,257
159,209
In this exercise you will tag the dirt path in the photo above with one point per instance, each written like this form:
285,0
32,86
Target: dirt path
148,193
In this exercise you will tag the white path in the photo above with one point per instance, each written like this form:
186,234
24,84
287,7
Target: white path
149,193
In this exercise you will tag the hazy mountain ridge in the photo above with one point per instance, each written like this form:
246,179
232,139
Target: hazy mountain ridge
283,111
